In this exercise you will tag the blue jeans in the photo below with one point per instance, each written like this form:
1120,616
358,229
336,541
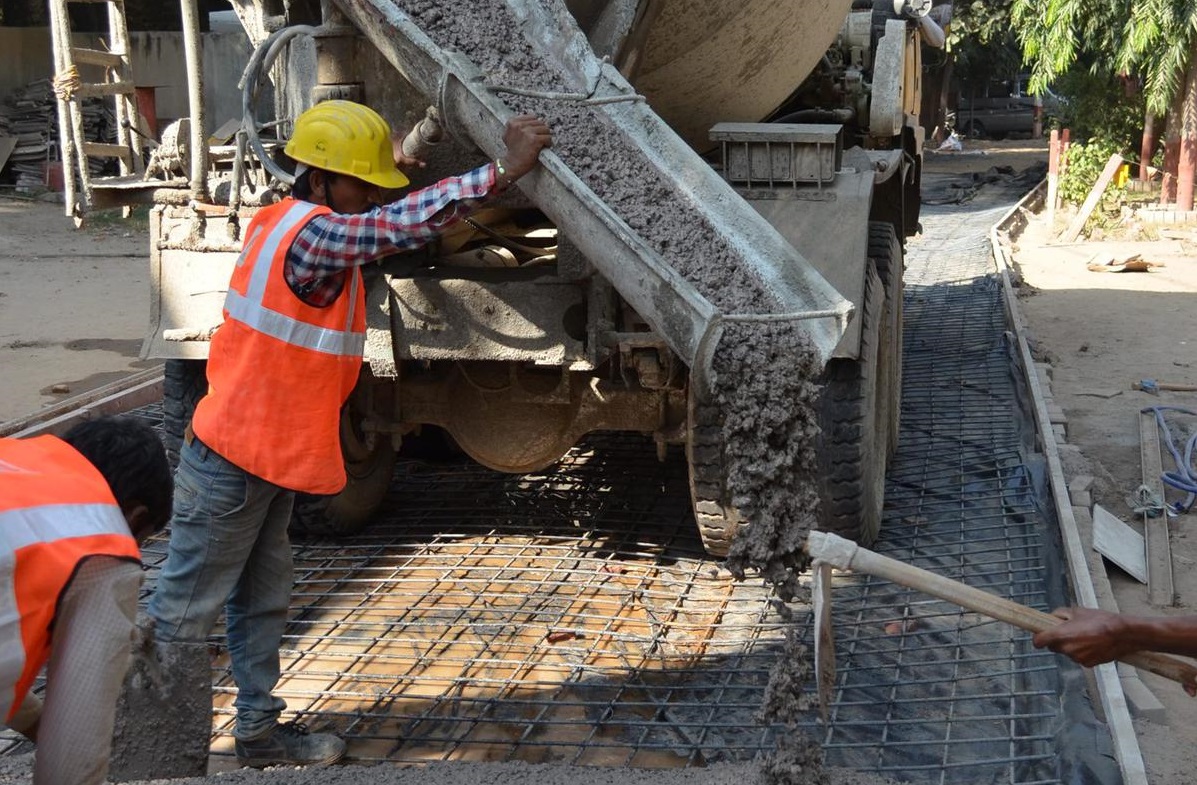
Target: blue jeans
229,546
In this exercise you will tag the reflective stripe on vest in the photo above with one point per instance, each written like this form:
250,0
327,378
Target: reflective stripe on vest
33,525
55,511
25,529
249,309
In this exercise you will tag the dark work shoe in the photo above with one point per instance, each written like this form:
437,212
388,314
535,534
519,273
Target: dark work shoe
290,744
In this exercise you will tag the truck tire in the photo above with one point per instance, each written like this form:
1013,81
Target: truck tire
349,511
184,382
885,252
369,468
852,443
717,520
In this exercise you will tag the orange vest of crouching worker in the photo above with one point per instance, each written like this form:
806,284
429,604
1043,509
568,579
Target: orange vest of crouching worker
55,511
280,369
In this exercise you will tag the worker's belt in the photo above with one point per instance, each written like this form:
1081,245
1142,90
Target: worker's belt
195,443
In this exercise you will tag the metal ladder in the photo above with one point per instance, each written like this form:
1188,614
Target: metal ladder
70,90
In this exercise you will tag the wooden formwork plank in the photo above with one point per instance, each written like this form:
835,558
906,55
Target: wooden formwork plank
122,396
1078,223
1160,588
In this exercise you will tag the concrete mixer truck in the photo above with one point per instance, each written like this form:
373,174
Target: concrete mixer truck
780,140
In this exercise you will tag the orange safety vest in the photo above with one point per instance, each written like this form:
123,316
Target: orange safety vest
279,369
55,511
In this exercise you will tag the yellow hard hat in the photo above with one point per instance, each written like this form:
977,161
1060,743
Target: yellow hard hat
346,138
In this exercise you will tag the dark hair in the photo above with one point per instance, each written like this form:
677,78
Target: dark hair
132,459
302,187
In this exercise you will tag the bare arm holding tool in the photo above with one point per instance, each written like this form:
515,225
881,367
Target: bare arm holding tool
847,555
1091,637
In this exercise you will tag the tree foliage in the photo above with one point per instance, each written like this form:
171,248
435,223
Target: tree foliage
1098,106
983,42
1085,164
1149,39
1158,43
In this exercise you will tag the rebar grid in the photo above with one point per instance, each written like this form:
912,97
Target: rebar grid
927,691
566,617
572,615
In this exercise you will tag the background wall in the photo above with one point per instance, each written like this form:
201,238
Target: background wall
158,61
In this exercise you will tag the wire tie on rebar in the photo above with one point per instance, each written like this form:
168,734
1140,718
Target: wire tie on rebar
1145,501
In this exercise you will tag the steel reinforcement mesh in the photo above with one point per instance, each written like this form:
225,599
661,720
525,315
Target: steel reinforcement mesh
927,692
572,616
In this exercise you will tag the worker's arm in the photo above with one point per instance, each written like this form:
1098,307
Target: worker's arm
89,654
1092,637
329,244
340,240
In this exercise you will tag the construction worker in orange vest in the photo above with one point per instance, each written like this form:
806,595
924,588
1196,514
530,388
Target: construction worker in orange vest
279,369
72,514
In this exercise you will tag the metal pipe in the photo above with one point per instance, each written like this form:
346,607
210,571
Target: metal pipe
193,52
424,136
932,34
261,60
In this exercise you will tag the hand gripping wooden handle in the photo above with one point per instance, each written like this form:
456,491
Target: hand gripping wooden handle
847,555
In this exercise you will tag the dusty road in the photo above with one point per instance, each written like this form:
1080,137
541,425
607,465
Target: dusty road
73,304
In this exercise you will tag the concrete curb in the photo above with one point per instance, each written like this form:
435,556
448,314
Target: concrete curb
1052,430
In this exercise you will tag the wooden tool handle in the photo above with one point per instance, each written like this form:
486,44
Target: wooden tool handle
847,555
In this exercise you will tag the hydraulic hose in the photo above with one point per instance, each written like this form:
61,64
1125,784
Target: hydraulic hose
1183,478
263,58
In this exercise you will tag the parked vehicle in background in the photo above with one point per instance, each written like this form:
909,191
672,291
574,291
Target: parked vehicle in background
1002,107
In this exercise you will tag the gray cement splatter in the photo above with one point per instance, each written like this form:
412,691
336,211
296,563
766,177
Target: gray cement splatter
164,716
765,382
18,769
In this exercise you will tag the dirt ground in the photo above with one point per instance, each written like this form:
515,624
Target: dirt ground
74,306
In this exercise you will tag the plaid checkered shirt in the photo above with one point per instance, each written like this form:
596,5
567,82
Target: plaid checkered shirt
331,244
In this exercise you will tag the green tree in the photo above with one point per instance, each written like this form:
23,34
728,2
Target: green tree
983,43
1151,40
